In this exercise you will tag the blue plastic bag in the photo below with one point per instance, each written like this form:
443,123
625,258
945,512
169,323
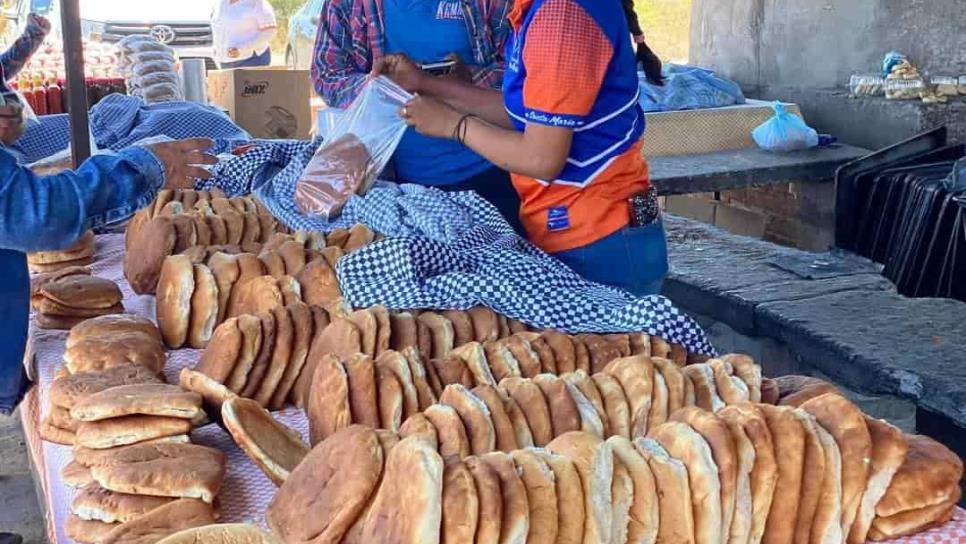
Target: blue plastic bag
892,59
784,132
688,88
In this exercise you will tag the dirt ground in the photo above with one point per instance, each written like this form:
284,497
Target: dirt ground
19,510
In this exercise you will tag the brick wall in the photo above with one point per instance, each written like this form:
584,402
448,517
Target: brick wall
798,215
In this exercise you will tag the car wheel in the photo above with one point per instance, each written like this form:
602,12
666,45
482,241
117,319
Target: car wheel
290,59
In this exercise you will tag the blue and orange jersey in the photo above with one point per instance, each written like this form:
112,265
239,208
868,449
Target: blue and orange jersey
570,64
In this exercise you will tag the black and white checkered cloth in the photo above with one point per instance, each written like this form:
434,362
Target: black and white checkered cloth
454,251
119,121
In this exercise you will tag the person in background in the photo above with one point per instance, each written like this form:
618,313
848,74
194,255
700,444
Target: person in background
242,32
356,34
13,59
569,127
646,59
39,213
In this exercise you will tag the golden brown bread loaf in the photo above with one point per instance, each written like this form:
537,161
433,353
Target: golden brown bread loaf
98,504
326,493
328,408
515,524
929,475
594,462
87,531
889,449
162,469
451,434
276,449
68,391
176,286
222,533
112,324
126,430
161,522
141,399
82,292
83,247
676,522
97,353
460,505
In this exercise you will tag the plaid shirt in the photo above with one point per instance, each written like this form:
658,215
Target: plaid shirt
352,36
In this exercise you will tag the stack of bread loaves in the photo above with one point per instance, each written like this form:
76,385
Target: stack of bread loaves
102,353
195,297
630,396
181,220
375,330
79,254
64,298
750,473
139,477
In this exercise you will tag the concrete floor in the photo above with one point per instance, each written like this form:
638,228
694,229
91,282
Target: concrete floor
19,510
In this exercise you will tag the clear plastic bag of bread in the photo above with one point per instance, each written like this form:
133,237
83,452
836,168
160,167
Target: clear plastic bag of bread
356,151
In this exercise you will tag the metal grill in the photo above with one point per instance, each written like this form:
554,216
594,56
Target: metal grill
192,34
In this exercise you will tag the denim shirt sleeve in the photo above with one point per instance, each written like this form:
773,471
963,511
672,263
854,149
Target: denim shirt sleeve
50,212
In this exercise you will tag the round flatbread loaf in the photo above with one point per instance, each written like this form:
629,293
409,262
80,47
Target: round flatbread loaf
328,403
636,377
716,433
145,257
396,363
98,504
365,320
83,292
213,394
496,400
475,416
275,448
515,525
846,423
320,285
674,500
453,442
419,425
390,399
615,404
280,356
69,390
683,443
889,450
219,358
570,497
442,334
474,357
564,352
502,363
251,344
527,359
162,521
225,269
538,480
176,285
76,475
788,437
257,295
142,399
408,507
204,308
533,403
363,390
594,461
107,325
748,420
644,510
222,533
490,500
486,324
461,505
86,531
104,352
302,336
328,490
265,353
564,415
424,392
126,430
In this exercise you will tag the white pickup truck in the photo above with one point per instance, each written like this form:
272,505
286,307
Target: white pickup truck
185,25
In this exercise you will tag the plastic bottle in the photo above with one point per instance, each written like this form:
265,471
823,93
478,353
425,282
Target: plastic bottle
55,98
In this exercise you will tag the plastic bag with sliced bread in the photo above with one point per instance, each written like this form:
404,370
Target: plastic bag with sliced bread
356,152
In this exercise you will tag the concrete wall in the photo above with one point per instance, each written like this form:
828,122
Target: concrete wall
804,51
819,44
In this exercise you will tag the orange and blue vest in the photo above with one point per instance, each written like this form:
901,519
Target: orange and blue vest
570,64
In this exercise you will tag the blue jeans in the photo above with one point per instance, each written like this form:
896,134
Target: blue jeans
265,59
633,259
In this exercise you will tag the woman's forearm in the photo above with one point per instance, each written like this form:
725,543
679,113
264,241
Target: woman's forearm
540,152
487,104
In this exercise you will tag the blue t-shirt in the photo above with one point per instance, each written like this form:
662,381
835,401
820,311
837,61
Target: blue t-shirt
428,31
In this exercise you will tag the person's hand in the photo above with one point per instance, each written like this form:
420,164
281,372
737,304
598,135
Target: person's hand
182,161
460,71
430,117
650,63
401,70
11,123
42,22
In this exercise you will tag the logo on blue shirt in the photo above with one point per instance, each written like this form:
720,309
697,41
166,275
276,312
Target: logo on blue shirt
449,11
558,219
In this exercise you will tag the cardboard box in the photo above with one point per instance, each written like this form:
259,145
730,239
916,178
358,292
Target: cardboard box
271,102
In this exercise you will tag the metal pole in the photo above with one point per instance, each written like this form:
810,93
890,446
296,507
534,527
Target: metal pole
80,144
